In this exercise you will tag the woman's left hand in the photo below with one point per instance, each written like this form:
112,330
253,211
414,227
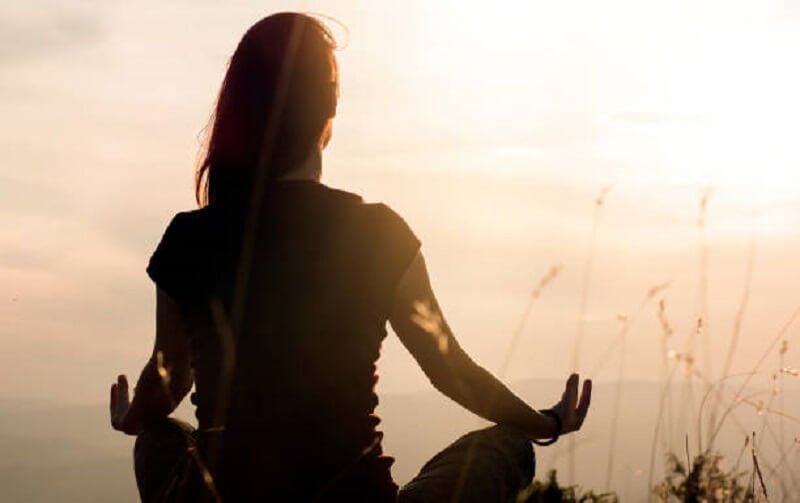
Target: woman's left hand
120,405
571,410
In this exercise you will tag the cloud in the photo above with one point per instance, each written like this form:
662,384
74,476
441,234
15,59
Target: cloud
19,196
23,258
42,33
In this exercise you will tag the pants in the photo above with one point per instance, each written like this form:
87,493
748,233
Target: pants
488,465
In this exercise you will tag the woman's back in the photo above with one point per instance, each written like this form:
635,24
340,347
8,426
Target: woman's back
294,411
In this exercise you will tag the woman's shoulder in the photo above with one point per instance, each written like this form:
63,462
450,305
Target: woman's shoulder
185,218
202,217
387,226
373,212
376,219
189,227
383,214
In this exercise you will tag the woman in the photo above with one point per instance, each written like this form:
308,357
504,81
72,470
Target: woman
273,298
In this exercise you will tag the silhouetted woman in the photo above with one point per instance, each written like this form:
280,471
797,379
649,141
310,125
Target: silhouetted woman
273,298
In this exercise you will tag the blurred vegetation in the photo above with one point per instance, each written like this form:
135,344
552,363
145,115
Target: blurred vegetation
705,481
550,491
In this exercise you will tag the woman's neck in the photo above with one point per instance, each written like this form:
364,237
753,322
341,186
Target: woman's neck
309,169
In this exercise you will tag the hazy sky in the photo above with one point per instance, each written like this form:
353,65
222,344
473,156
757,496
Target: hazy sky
492,127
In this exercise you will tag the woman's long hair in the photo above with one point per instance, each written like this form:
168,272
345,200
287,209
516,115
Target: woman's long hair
274,107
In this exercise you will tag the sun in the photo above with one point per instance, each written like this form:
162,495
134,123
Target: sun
710,100
738,97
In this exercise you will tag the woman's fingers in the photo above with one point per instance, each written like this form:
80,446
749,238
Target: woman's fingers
573,407
119,401
122,389
568,400
586,398
571,392
112,400
119,392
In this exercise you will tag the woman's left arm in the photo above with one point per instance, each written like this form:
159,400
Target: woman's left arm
166,378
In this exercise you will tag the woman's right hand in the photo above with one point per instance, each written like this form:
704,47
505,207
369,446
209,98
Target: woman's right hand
120,405
572,410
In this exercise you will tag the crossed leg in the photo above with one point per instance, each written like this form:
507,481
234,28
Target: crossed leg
489,465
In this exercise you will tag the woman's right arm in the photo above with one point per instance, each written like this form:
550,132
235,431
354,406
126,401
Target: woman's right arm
418,321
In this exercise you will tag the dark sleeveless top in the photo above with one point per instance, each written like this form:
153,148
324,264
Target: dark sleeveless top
293,419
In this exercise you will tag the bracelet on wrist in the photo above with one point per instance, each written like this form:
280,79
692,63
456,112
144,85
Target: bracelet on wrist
559,428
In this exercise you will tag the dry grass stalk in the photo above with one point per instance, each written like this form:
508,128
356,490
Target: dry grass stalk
779,337
599,202
778,473
757,469
737,323
701,214
626,322
741,453
667,384
702,286
617,403
601,197
547,278
666,334
781,355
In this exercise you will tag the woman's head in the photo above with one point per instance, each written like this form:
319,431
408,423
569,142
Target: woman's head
274,107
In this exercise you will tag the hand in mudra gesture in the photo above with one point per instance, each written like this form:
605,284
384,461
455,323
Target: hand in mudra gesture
119,405
571,409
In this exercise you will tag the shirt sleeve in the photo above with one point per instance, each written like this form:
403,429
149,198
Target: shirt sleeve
396,245
169,264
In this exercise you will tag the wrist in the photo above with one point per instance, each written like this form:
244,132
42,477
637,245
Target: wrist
131,428
555,421
555,427
130,423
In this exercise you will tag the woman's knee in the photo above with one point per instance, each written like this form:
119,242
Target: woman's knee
164,433
159,447
167,426
515,445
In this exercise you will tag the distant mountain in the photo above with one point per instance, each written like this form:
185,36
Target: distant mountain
62,453
68,453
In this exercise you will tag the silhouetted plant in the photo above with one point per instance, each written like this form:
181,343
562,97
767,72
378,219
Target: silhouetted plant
550,491
705,481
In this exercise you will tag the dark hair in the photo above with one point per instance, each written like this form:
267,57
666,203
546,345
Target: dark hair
273,108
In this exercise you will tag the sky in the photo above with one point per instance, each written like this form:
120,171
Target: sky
492,127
